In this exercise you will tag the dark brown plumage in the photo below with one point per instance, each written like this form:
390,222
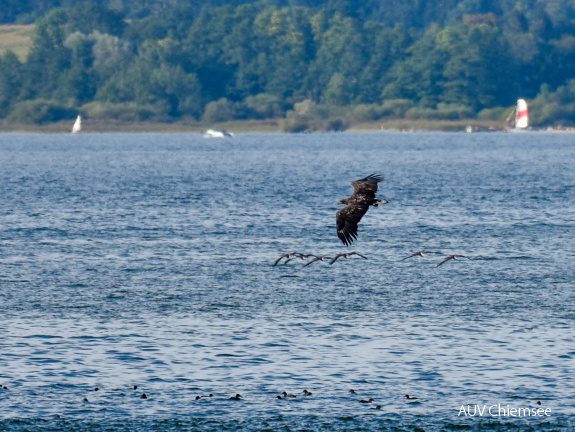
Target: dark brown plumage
290,256
420,253
357,204
346,256
453,257
318,258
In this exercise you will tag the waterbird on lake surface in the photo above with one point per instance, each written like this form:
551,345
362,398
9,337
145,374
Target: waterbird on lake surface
346,256
198,398
420,253
144,396
289,395
370,400
352,391
307,393
236,397
357,204
453,257
318,258
410,397
377,407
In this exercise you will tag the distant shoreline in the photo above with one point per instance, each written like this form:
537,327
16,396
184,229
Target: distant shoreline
241,126
258,126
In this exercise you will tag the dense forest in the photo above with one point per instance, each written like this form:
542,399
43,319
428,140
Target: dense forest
303,61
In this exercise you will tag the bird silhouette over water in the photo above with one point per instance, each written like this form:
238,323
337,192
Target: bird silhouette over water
346,256
419,253
453,257
291,256
370,400
318,258
356,206
411,397
236,397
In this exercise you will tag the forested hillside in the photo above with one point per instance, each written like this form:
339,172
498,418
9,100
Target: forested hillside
299,60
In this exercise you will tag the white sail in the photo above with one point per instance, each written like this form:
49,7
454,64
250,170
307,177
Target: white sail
77,125
521,115
211,133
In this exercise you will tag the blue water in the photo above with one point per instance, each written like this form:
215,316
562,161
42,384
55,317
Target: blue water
145,259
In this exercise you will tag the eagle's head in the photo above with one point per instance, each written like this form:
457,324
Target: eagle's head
343,201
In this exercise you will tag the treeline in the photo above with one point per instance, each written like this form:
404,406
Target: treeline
313,67
417,14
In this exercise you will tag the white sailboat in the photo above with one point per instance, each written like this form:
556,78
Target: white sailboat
77,125
522,115
212,133
518,120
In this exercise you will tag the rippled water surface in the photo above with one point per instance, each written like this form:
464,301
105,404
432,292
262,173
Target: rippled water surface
146,260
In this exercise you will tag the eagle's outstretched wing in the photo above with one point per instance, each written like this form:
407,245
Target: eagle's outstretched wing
346,221
367,185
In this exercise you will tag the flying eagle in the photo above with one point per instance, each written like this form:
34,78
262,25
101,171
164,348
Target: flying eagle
357,205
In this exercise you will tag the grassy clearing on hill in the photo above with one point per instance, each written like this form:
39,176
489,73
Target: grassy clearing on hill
16,38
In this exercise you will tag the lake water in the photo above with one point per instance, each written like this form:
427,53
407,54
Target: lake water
146,260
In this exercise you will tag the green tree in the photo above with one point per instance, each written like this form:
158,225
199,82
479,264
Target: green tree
389,47
418,77
10,81
474,73
202,52
284,48
151,80
341,49
88,16
48,57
